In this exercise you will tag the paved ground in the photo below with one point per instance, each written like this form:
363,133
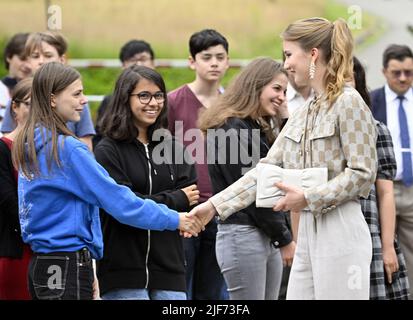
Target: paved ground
398,14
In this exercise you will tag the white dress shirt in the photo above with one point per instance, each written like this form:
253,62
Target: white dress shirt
392,107
4,101
295,100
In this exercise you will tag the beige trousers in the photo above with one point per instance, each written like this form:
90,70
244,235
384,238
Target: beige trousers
404,218
333,256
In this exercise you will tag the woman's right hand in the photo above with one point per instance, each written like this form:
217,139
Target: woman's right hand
192,193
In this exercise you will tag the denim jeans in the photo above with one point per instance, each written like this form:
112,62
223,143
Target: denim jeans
61,276
252,267
204,280
143,294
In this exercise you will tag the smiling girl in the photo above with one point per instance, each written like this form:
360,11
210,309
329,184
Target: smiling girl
139,263
248,242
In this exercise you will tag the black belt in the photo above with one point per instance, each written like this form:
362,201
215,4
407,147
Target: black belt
83,255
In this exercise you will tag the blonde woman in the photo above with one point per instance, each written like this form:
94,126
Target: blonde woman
335,130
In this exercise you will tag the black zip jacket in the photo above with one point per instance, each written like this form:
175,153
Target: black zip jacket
11,243
223,173
136,258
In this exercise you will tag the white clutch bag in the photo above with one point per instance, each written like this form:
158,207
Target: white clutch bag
268,174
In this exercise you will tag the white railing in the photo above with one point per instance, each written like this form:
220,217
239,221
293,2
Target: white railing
161,63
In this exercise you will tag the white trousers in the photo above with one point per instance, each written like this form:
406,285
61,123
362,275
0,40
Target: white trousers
333,256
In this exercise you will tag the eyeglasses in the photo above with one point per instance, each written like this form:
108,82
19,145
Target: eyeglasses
145,97
398,73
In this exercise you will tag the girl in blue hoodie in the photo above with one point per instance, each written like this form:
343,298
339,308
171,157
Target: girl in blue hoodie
61,187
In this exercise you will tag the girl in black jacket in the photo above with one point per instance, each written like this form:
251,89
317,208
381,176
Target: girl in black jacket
247,118
14,254
137,152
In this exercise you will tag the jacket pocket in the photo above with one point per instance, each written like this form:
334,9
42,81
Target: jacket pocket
325,130
294,133
325,145
49,276
291,146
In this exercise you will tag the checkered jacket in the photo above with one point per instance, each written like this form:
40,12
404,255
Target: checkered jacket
341,137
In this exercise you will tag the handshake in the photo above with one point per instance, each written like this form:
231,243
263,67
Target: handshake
281,196
192,223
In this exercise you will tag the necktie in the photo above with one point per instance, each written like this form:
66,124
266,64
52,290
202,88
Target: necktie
407,175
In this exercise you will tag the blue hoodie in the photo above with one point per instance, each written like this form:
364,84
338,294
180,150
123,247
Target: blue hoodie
59,210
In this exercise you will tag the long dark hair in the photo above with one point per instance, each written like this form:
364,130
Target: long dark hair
117,121
360,81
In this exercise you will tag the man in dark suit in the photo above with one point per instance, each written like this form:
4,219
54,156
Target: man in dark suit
393,105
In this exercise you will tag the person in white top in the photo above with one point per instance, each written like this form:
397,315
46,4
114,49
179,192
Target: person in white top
393,105
297,96
4,99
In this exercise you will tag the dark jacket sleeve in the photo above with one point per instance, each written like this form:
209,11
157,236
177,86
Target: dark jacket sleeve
274,224
378,105
109,158
386,160
8,188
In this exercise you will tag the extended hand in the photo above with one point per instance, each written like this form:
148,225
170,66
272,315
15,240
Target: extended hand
204,212
189,225
293,200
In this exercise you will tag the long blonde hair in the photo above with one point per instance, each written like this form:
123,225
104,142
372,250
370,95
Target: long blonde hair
51,78
336,43
242,97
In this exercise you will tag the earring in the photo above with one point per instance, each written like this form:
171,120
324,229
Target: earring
312,70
